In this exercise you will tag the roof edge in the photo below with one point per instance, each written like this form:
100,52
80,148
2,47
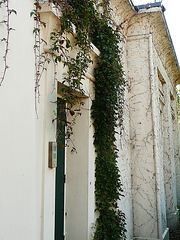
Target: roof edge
149,5
171,41
156,7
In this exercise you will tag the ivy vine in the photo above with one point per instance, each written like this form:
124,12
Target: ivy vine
92,23
106,111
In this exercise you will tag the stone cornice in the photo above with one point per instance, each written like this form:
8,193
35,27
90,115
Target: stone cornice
164,46
148,21
163,42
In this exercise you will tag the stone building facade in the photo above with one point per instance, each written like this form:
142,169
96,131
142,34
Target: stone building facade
148,146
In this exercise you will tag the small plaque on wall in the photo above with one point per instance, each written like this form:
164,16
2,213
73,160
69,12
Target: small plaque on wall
52,163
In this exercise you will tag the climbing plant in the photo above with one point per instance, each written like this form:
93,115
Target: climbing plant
41,58
90,21
106,111
5,39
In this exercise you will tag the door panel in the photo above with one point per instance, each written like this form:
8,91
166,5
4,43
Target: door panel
59,197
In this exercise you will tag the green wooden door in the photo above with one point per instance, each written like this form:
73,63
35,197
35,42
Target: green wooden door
60,177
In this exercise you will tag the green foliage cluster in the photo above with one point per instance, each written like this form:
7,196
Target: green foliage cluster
92,23
71,23
106,111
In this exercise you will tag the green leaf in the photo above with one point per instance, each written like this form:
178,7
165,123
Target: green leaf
32,13
13,11
36,30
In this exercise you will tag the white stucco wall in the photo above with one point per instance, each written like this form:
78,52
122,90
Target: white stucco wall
153,200
143,168
18,203
124,159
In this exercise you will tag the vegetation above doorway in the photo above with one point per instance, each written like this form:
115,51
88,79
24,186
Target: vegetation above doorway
92,23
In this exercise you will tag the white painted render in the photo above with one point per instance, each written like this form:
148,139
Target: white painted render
18,171
148,145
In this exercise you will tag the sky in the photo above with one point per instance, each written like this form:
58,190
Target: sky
172,15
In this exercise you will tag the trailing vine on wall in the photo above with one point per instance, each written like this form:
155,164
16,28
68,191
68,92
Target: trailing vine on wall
107,110
41,58
92,23
5,39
